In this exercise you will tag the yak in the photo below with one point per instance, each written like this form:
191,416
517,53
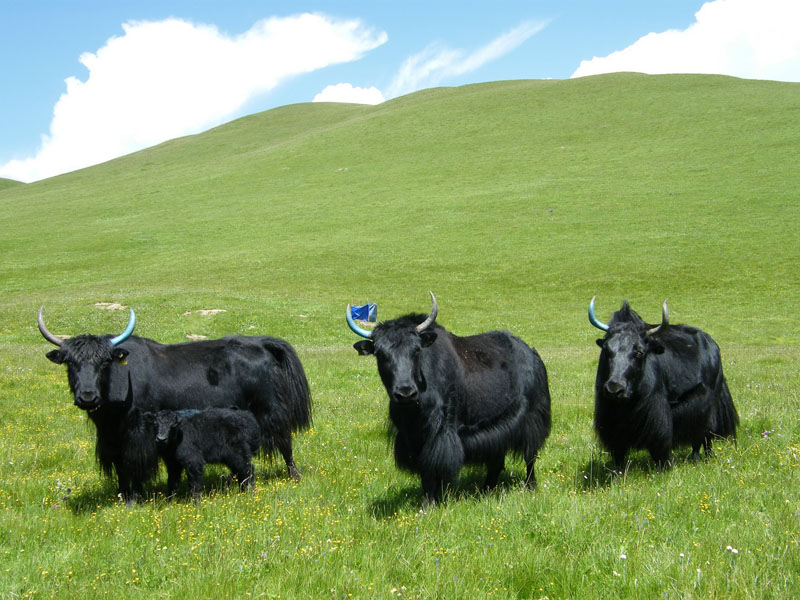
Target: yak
190,439
458,400
658,387
110,376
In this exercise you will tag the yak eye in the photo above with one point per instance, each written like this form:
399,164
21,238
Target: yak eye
638,352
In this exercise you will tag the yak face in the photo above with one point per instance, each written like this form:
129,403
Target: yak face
167,422
398,349
625,348
88,359
623,357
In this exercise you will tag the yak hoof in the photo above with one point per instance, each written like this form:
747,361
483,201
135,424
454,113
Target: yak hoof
428,503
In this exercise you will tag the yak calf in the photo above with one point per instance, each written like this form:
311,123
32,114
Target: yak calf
190,439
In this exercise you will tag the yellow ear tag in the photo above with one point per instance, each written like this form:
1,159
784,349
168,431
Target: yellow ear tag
123,361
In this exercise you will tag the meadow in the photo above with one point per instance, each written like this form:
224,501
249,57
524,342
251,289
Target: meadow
515,202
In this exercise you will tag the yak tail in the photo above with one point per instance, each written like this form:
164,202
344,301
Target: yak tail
291,386
726,418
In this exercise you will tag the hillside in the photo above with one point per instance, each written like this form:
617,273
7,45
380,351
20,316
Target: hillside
515,202
7,183
534,195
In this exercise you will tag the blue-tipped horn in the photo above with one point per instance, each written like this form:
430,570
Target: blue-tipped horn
352,324
127,333
593,320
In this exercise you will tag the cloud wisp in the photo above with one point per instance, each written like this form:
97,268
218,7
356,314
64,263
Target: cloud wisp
437,63
164,79
755,40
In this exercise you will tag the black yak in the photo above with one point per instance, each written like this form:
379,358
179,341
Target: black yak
190,439
658,387
110,376
458,400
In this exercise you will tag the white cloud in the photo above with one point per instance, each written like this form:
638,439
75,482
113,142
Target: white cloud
164,79
743,38
437,63
344,92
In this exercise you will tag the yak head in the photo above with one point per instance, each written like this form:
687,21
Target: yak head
166,425
624,349
397,346
89,359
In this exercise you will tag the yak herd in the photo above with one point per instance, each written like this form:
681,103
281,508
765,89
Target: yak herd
452,400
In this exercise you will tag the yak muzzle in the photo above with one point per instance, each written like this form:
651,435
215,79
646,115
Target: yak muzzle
87,401
406,395
615,389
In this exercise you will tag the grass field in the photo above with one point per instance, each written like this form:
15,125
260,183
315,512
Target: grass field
515,202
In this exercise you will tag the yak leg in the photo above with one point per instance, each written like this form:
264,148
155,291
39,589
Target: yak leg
284,444
195,467
695,456
130,489
174,470
530,474
618,456
707,445
494,467
432,488
662,457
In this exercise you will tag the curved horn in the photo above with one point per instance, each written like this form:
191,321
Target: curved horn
431,318
352,324
593,320
46,334
127,333
664,320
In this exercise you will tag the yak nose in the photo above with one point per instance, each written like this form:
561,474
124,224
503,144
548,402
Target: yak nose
406,393
614,388
85,399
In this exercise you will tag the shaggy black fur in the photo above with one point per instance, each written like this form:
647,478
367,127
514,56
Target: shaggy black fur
259,374
459,400
190,439
658,391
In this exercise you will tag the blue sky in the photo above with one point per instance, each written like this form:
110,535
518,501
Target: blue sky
87,81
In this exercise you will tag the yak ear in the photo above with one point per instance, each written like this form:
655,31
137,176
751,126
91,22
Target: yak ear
119,355
364,347
56,356
656,346
427,337
600,342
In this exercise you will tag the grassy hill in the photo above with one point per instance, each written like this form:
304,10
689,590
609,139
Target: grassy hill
7,183
515,202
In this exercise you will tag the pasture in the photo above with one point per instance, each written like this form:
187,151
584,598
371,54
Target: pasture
515,202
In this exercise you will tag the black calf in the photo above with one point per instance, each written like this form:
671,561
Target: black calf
189,439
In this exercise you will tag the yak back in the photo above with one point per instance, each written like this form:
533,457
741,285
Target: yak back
249,372
216,429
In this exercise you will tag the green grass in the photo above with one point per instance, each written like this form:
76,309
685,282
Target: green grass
515,202
7,183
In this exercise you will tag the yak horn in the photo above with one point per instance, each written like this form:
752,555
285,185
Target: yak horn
45,333
431,318
593,320
127,333
664,320
352,324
